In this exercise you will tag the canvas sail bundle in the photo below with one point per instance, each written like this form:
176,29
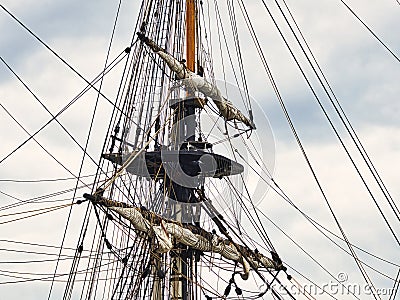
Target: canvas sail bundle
198,83
167,232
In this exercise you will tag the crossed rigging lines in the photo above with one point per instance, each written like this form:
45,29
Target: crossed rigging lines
366,156
341,114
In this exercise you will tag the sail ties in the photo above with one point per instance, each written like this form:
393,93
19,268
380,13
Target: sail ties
167,232
195,82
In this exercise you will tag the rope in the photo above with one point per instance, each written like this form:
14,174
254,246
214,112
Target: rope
370,30
40,212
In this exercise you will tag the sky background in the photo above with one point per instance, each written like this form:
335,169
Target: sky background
363,74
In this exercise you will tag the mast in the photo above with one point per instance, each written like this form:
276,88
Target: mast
185,126
180,165
190,34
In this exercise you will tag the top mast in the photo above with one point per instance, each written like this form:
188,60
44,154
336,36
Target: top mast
190,34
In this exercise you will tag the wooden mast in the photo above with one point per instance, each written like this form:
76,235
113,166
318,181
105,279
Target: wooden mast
190,35
187,263
180,273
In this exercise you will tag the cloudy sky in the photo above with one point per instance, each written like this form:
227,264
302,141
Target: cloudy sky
363,74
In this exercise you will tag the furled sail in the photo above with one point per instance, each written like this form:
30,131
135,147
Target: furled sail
167,232
195,82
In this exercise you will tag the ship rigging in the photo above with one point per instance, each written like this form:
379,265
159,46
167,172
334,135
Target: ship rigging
173,199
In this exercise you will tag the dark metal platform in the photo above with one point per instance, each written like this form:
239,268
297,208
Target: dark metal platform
191,162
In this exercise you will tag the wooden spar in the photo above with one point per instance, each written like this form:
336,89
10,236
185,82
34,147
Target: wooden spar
190,35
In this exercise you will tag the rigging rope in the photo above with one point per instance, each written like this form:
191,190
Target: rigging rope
40,212
54,117
146,129
237,48
41,146
279,191
349,128
90,84
87,143
370,31
43,179
332,125
365,275
235,32
395,286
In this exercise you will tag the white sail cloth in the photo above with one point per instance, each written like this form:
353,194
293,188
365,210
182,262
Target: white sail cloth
166,232
197,83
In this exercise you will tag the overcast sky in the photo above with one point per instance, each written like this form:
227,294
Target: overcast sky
363,74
